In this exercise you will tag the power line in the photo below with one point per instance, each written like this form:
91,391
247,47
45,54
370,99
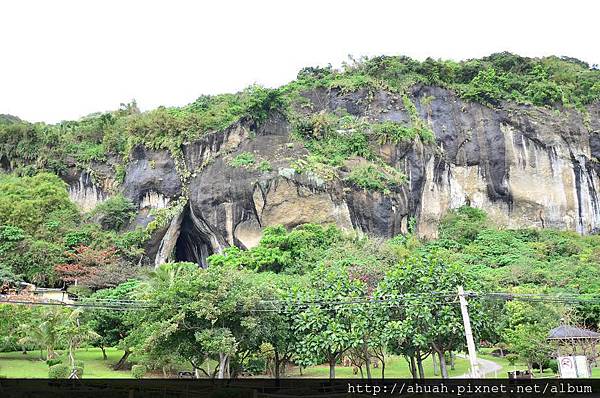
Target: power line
288,305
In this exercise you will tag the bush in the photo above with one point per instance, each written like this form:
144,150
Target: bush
256,365
114,213
264,166
512,359
553,365
59,371
54,361
244,159
374,178
463,225
138,371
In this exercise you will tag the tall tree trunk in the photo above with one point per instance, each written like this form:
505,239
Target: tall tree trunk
223,359
276,365
368,363
443,364
435,364
382,369
71,357
541,367
104,357
420,365
332,360
452,367
119,365
413,367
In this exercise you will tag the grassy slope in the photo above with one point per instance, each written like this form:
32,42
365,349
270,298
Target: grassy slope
395,367
17,365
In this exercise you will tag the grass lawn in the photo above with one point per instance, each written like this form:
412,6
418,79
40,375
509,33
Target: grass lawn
395,367
17,365
506,367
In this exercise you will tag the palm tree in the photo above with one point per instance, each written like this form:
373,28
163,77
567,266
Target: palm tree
75,334
43,331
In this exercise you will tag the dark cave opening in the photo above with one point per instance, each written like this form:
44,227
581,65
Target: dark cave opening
192,244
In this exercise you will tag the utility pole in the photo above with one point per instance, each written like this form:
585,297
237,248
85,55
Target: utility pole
469,334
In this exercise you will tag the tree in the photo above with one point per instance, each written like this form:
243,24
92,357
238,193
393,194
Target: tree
200,314
326,328
43,329
30,203
425,285
94,268
529,342
528,327
115,213
75,333
110,326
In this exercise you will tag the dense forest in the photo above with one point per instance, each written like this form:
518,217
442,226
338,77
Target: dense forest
307,295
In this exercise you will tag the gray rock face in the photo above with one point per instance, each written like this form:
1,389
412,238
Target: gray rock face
525,166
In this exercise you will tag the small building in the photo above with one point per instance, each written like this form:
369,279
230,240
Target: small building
49,294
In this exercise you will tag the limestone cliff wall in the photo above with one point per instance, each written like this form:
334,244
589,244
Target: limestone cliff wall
525,166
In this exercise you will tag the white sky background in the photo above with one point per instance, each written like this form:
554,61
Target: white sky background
62,59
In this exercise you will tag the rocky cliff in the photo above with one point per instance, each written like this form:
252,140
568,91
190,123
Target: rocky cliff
525,166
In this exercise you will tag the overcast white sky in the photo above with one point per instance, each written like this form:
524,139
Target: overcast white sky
64,59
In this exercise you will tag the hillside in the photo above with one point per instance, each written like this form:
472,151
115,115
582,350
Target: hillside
331,218
369,148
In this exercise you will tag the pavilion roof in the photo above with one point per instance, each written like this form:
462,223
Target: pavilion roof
570,332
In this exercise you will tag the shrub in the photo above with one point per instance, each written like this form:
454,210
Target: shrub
264,166
512,359
463,224
114,213
244,159
79,371
53,361
374,178
393,132
59,371
256,365
138,371
553,365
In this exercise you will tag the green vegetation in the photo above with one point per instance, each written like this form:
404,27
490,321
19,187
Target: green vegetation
41,231
17,365
264,166
311,297
115,212
59,371
382,178
280,305
32,147
138,371
336,142
244,159
549,81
